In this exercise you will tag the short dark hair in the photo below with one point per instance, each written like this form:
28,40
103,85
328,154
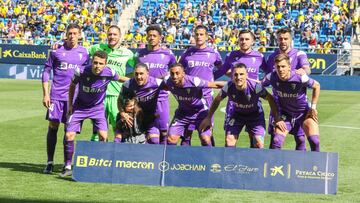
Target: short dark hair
175,65
201,27
114,26
154,27
246,32
101,54
72,26
283,31
239,65
141,65
281,57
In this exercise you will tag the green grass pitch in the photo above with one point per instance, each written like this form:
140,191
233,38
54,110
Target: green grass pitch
23,155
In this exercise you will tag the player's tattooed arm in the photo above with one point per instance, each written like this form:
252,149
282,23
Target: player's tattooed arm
304,70
123,78
124,117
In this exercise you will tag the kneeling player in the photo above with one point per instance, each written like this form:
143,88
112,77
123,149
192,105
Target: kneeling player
246,108
192,108
289,90
88,103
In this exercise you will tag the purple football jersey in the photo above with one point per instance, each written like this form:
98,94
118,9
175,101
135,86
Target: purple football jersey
254,61
147,95
63,62
158,62
247,101
201,63
298,59
92,88
290,95
190,95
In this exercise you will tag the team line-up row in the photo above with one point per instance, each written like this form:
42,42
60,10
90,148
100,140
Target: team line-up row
87,84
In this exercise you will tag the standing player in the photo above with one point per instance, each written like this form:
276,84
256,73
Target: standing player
118,57
93,82
157,60
146,90
62,62
298,62
253,60
193,108
244,97
289,89
200,61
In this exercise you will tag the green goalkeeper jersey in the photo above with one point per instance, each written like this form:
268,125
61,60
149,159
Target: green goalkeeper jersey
117,60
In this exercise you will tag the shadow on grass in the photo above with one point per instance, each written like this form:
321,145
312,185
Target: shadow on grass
29,167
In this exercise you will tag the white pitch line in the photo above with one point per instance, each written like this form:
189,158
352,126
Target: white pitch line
321,125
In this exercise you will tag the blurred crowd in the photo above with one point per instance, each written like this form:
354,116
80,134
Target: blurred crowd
40,22
316,24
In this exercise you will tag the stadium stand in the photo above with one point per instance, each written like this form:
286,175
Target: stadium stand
41,22
315,23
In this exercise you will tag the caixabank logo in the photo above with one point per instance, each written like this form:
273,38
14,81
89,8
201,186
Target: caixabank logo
277,170
16,53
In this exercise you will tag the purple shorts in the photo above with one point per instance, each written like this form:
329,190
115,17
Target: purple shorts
182,121
163,110
254,125
57,111
293,123
97,116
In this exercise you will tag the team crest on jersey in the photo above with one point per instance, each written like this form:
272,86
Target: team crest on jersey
248,97
293,86
162,56
236,58
277,84
208,55
233,96
253,60
188,90
80,55
63,54
87,78
103,79
150,89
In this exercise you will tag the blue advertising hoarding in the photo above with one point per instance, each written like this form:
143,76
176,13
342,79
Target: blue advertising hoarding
23,54
232,168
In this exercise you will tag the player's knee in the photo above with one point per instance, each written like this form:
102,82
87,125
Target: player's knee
172,139
230,141
54,125
103,136
153,139
205,140
70,136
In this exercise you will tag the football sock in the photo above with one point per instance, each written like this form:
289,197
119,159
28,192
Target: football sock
117,140
300,143
153,140
51,139
68,152
314,142
278,141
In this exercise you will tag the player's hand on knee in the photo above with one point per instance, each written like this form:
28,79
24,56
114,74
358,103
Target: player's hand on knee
46,101
205,124
312,113
280,124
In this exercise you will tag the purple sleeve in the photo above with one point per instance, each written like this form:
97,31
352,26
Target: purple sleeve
199,82
263,66
302,60
224,68
115,77
266,81
309,82
47,68
260,90
224,91
218,61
